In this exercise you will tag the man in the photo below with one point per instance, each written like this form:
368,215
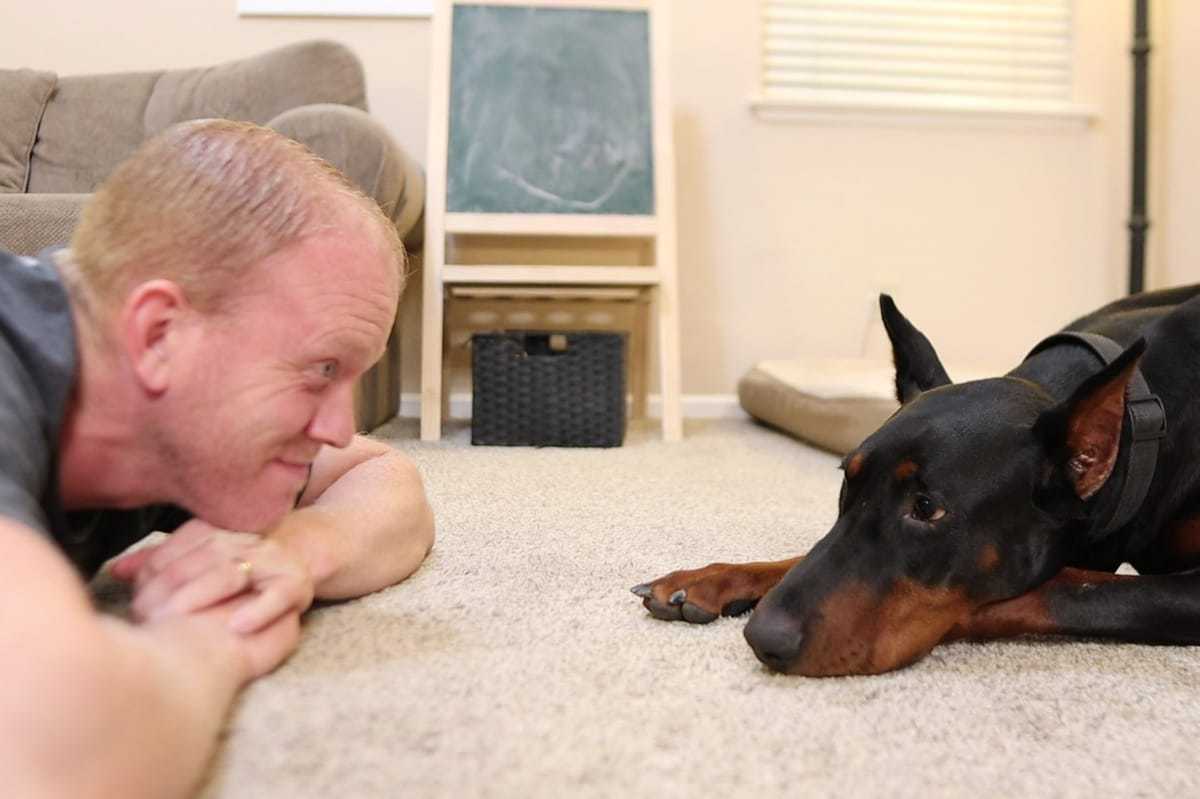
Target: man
196,348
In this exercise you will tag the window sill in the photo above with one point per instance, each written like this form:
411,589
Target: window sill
854,107
340,8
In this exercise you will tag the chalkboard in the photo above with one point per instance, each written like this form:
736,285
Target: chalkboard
550,111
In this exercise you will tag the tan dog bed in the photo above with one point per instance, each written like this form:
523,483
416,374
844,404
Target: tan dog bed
832,403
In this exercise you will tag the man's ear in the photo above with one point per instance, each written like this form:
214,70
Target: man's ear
1083,434
150,322
917,366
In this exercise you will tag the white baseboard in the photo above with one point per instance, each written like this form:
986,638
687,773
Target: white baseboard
695,406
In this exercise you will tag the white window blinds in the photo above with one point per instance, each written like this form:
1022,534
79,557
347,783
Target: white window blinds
920,53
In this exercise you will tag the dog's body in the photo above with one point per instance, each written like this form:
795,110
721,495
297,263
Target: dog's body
993,509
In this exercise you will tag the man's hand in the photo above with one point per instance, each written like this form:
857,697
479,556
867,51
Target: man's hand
201,566
257,653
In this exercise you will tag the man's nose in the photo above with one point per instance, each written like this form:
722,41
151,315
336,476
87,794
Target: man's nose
333,423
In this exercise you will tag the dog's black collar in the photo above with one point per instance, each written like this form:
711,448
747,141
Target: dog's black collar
1147,420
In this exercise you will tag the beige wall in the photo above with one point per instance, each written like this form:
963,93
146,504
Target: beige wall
1175,209
989,235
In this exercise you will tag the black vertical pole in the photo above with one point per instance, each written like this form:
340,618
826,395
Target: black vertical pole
1138,222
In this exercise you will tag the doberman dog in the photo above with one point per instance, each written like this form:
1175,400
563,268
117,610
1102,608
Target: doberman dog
996,508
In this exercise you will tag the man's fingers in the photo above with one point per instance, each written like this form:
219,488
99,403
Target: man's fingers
181,543
156,589
209,588
262,650
266,608
269,646
205,567
126,567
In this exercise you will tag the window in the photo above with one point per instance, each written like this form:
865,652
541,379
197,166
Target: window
997,56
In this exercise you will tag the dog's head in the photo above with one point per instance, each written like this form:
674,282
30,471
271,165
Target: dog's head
970,493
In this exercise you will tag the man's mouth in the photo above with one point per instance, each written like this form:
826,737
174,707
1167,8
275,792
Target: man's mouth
300,468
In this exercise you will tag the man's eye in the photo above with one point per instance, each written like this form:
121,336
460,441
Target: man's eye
328,370
924,509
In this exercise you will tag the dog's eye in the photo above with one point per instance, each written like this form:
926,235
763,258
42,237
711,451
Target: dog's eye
924,509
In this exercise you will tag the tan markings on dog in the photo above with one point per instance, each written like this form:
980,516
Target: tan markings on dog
840,642
1024,614
1029,613
859,633
1084,577
914,618
854,466
989,558
714,586
1183,542
905,470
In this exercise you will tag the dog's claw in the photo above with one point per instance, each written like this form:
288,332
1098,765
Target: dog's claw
641,589
678,597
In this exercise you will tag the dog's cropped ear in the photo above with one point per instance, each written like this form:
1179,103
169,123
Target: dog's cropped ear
1083,434
917,366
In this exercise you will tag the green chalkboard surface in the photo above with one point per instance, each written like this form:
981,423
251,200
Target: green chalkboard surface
549,111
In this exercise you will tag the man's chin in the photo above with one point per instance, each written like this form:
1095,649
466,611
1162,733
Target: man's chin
257,519
255,504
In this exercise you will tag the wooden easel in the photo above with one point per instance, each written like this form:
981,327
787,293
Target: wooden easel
658,280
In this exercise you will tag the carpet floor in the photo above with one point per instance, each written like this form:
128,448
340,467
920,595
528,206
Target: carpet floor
515,662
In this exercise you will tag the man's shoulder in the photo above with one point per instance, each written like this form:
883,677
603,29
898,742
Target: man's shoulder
31,277
25,452
37,369
35,317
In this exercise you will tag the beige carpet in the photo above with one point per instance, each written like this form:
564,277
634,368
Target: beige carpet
516,663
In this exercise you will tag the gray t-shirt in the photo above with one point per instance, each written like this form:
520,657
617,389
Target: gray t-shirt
38,364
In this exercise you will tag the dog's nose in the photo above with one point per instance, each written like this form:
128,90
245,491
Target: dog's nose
776,644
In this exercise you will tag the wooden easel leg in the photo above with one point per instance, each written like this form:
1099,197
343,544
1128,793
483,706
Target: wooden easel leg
668,356
639,357
446,371
431,358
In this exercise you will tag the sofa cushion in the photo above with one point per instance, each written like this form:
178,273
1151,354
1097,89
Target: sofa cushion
260,88
29,223
23,97
363,149
93,123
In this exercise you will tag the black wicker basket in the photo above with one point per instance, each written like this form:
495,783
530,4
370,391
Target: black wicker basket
548,389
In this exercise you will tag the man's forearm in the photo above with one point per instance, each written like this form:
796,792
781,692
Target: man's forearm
368,530
135,712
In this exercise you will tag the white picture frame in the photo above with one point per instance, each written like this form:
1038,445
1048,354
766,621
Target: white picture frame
335,8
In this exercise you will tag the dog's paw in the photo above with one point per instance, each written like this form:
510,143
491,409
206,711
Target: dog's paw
697,596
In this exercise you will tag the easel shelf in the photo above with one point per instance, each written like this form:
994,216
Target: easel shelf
552,224
504,274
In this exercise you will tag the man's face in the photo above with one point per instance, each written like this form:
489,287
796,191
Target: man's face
265,384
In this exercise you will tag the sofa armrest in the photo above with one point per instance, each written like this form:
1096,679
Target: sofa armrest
364,150
29,223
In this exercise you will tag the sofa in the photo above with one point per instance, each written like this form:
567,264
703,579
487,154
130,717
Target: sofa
61,136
